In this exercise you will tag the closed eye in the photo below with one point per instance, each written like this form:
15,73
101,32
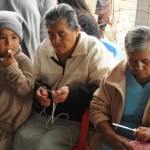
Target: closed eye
2,37
146,61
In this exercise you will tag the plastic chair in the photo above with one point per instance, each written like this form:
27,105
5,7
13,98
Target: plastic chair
83,132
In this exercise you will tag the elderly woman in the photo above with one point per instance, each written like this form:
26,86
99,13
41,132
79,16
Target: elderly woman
71,64
123,97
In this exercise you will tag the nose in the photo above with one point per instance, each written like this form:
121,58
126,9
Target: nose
9,43
139,66
56,40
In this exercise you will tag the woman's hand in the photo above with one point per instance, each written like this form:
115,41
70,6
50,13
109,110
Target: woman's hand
118,142
42,96
60,95
121,143
142,134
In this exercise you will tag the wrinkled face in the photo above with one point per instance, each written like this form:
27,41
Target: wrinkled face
8,41
139,63
62,38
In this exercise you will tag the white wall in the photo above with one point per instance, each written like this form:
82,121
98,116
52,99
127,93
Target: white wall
125,13
143,13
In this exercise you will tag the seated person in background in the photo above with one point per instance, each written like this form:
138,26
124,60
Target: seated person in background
123,96
86,19
71,64
16,79
103,12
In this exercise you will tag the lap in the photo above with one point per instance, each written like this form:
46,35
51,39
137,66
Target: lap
35,135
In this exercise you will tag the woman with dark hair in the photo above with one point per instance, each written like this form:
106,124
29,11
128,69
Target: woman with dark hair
86,19
71,64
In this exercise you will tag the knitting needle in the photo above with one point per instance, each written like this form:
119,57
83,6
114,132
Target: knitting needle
121,126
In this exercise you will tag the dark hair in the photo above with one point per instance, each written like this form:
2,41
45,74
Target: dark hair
138,39
80,6
86,19
62,12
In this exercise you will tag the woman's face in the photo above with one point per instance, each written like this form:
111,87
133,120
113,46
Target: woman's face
62,38
139,63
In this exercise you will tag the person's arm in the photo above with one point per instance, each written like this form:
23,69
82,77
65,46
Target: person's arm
20,75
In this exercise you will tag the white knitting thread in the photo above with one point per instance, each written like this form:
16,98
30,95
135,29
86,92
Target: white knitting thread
52,119
53,111
43,111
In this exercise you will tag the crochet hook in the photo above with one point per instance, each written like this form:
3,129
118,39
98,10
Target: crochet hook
121,126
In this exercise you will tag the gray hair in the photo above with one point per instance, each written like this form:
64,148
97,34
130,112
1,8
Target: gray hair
137,39
62,12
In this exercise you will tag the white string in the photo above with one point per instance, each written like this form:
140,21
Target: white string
52,118
43,111
53,111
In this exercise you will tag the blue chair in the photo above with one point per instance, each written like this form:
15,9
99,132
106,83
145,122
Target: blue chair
112,47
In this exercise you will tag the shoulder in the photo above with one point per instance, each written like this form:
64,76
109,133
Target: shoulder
92,43
87,41
118,72
20,56
24,62
44,46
